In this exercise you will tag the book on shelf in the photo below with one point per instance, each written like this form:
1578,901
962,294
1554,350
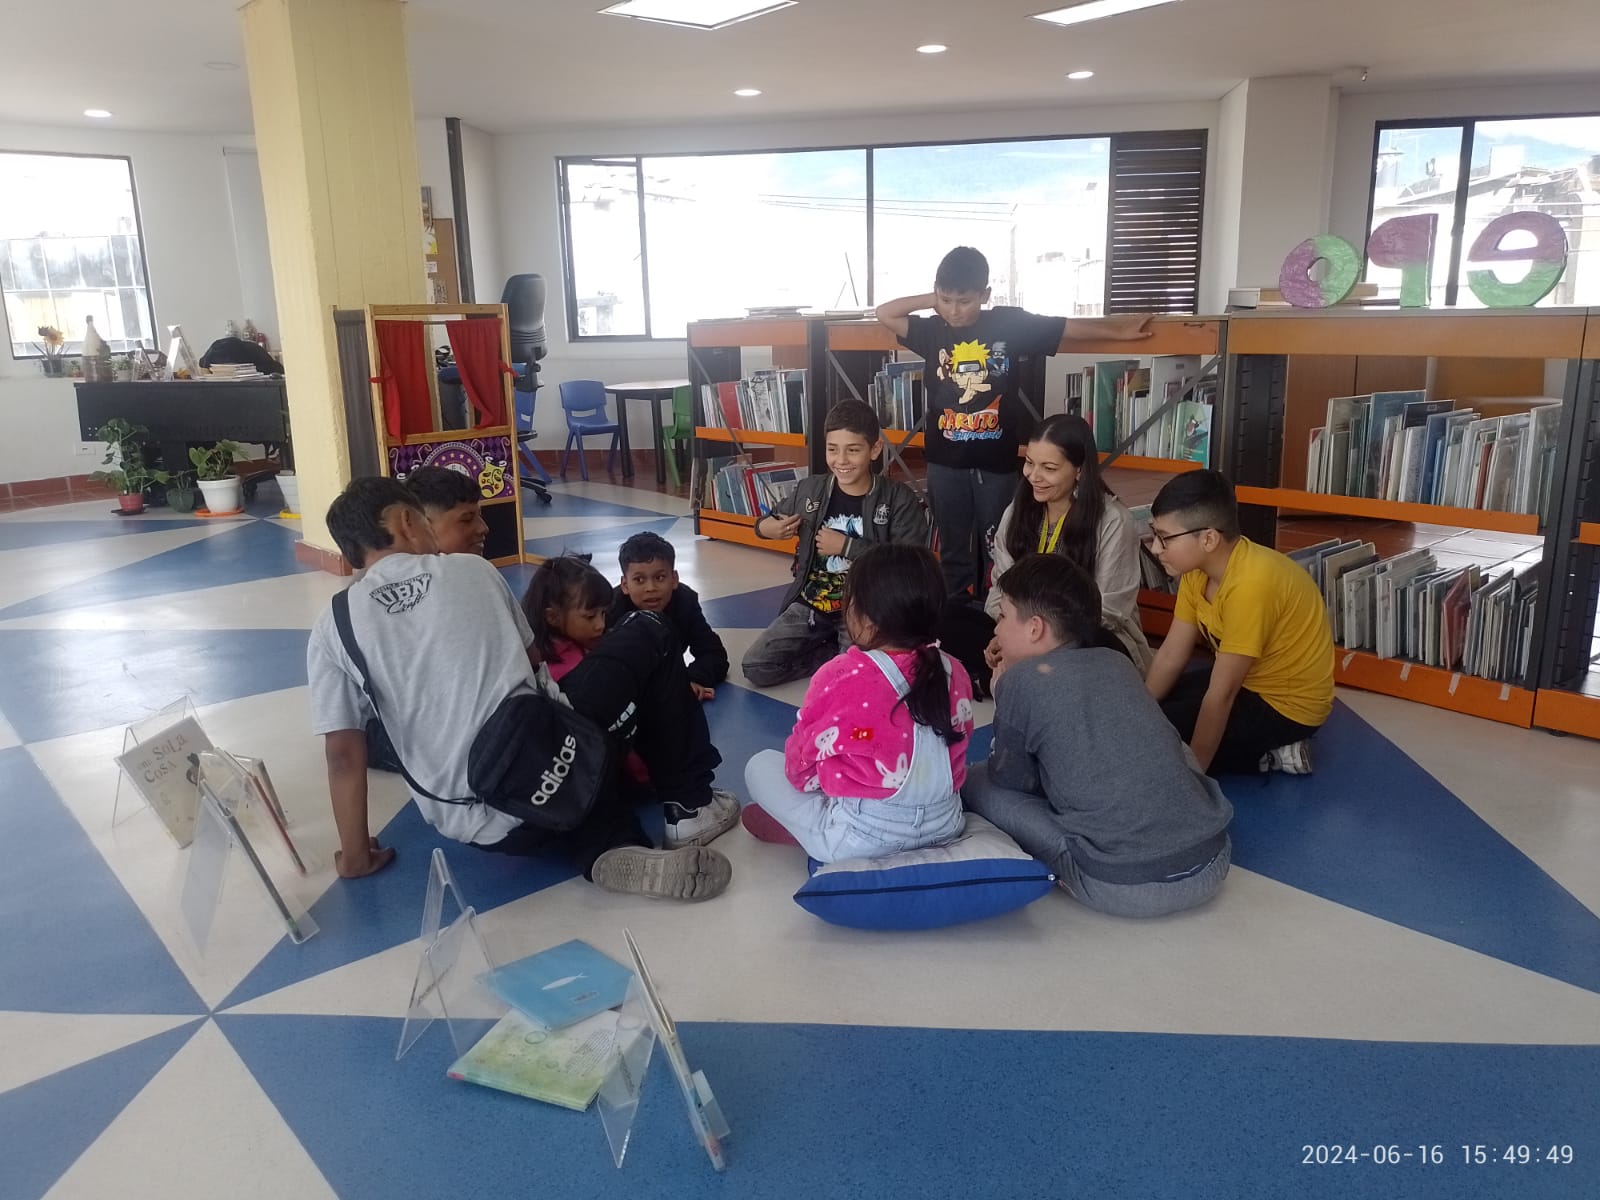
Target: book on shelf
1119,396
1473,619
736,485
896,394
772,401
1402,447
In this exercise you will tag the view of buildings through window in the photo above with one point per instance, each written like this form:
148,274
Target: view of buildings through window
1548,164
655,242
70,248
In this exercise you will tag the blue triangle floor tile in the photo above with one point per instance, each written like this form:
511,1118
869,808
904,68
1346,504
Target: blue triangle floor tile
46,1125
250,550
361,917
63,681
26,535
743,723
1372,830
947,1117
74,941
601,543
747,610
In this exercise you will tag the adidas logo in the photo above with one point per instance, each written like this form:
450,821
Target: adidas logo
550,781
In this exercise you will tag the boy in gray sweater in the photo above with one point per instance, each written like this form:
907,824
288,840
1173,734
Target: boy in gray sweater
1085,772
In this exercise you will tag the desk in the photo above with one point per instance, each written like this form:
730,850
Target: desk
655,391
179,412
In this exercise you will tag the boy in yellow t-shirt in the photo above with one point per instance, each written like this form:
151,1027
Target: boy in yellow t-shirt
1271,686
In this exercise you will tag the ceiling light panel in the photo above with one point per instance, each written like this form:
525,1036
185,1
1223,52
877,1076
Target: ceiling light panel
1094,10
696,14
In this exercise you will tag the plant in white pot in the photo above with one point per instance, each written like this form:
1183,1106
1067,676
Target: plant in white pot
213,468
289,485
128,475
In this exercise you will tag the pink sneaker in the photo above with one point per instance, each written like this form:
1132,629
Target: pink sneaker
764,827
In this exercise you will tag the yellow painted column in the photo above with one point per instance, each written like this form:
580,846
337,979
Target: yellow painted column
331,94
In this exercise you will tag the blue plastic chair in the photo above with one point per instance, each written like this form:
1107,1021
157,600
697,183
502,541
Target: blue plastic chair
584,401
533,474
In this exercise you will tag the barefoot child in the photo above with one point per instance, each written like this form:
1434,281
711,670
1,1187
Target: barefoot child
878,754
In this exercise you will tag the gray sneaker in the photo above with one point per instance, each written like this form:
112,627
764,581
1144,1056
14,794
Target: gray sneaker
1293,759
704,825
690,873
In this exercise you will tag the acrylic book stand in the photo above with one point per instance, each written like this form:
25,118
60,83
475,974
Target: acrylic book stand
449,983
179,798
231,796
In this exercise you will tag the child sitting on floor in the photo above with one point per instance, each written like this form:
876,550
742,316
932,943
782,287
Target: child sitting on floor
878,754
1085,773
565,605
650,584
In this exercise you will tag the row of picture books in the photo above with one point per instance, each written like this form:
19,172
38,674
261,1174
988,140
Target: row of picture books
1475,620
765,401
1118,396
736,485
1403,446
895,394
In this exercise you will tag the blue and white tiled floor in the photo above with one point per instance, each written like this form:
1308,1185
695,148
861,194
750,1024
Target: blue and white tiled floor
1406,954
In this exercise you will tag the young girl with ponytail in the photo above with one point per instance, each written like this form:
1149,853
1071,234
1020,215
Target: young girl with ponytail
878,754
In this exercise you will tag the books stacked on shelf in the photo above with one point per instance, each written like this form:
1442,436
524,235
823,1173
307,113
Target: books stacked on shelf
1475,620
1153,576
895,394
765,402
1402,446
770,311
1120,395
736,485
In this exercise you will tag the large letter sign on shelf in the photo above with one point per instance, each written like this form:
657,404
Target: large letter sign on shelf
1405,244
1344,269
1547,259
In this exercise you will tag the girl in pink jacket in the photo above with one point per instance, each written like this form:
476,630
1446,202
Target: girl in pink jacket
878,754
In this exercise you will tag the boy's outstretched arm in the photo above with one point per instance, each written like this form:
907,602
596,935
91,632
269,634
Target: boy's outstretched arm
1227,677
359,853
1105,329
892,314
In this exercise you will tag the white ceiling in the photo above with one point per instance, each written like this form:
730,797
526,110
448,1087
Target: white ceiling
509,65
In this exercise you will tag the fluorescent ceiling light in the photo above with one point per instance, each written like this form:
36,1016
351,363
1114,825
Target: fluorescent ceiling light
932,48
747,92
99,114
696,14
1080,74
1095,9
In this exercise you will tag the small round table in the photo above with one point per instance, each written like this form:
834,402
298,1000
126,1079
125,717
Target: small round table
655,391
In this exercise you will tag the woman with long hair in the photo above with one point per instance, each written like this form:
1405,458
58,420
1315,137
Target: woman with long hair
1063,506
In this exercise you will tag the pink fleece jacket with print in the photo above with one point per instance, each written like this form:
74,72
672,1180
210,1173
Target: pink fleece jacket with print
852,739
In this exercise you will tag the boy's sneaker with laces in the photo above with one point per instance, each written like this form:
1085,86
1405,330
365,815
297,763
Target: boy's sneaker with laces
700,826
1293,759
692,873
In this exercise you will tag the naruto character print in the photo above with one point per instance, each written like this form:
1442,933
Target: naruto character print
973,367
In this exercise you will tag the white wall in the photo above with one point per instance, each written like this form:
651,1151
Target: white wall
194,278
1220,243
433,164
247,209
530,228
1360,111
483,213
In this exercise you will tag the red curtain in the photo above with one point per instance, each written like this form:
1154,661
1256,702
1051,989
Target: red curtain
476,343
404,363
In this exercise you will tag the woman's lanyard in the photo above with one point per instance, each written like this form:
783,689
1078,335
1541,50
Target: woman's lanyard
1049,547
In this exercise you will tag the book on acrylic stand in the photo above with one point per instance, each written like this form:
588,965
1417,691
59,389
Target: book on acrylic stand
229,802
155,762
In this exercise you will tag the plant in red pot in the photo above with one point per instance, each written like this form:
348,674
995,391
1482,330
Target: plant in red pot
128,474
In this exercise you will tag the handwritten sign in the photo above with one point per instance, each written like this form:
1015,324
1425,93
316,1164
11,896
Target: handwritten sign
1406,244
160,768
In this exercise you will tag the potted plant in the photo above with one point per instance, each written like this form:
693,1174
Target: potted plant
180,496
128,473
289,485
213,467
53,343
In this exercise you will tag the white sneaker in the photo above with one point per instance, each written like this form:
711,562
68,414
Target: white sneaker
1293,759
693,873
704,825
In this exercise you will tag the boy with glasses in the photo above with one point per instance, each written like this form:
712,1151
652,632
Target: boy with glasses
1271,684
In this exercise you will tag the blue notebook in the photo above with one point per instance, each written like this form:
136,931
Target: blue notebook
562,985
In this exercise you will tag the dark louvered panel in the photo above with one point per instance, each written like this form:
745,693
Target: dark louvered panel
1158,183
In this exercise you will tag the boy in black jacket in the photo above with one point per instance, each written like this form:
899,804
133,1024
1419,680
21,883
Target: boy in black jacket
650,582
836,517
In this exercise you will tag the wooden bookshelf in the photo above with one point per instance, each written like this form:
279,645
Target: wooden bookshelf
1389,510
1155,611
1567,712
903,438
1460,333
1168,335
1588,534
749,437
736,527
787,332
1166,466
1458,692
861,335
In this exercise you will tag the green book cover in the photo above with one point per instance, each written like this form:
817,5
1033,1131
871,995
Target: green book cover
560,1066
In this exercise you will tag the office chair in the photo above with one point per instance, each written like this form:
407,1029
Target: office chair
524,297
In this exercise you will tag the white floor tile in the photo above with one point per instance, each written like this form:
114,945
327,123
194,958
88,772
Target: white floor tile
40,1044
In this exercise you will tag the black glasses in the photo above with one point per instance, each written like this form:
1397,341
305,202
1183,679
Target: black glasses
1161,539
